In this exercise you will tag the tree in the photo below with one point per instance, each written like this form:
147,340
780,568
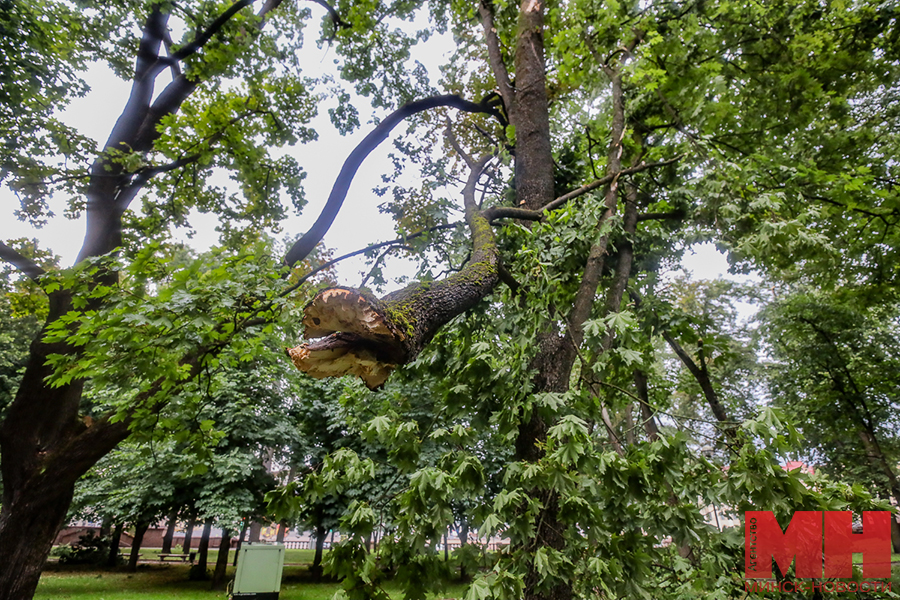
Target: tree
168,143
833,367
701,118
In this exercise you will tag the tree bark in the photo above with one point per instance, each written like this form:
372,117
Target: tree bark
370,337
240,542
255,531
45,446
112,559
199,570
282,531
218,579
170,532
316,568
188,536
139,530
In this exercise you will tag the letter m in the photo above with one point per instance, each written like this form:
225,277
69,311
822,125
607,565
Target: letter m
801,540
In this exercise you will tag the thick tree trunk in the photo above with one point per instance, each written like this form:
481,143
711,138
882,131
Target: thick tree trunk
170,532
188,536
139,530
27,531
112,560
282,531
218,579
199,570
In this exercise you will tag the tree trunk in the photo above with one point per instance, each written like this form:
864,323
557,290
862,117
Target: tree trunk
188,536
46,448
105,527
880,463
218,579
112,560
170,532
316,568
199,570
255,531
240,542
463,541
282,531
139,530
27,531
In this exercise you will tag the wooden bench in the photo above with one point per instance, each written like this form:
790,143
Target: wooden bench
181,557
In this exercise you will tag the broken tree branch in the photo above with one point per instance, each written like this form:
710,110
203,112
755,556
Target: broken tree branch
369,337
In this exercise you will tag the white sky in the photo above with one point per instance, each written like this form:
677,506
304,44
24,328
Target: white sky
359,222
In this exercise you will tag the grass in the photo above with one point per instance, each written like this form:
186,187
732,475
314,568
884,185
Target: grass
170,581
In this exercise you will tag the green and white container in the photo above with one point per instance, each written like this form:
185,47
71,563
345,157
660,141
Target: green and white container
259,570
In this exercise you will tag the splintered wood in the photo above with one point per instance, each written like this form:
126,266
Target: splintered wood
355,338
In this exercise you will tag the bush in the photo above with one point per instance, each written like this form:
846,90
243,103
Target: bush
90,549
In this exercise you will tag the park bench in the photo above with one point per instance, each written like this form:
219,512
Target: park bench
181,557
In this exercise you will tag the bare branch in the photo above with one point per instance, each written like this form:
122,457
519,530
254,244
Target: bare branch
302,247
455,143
336,20
334,261
508,212
675,215
203,38
495,57
22,263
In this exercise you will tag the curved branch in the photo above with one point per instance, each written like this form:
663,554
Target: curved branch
336,20
22,263
305,245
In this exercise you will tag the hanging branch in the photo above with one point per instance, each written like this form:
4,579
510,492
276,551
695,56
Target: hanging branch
305,245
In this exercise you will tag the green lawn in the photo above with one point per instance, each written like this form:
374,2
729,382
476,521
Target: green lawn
165,581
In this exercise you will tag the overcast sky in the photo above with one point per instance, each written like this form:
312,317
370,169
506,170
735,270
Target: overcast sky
359,222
